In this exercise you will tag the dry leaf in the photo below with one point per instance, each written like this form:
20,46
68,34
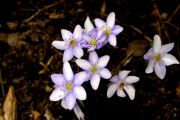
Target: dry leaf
36,115
10,105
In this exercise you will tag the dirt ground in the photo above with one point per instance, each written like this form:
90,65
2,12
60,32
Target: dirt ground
27,58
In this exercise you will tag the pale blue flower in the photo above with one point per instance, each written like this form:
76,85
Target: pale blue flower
95,68
92,38
159,58
109,28
68,87
122,82
71,44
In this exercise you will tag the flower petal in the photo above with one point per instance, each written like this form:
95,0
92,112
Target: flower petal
88,25
61,45
78,112
111,90
105,73
167,47
130,91
58,79
63,104
83,64
57,94
99,23
79,92
150,66
95,80
103,61
117,29
160,70
149,55
68,55
132,79
120,93
80,77
67,71
93,57
78,52
66,35
123,74
77,34
112,40
115,79
111,20
70,101
169,59
157,44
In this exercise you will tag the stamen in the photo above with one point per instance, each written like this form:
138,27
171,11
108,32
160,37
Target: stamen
72,43
94,69
69,86
93,42
157,57
122,84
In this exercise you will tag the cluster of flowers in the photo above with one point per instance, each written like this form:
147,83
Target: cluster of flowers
69,85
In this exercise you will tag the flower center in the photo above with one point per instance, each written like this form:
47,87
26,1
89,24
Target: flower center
69,86
107,31
93,42
122,84
157,57
72,43
94,69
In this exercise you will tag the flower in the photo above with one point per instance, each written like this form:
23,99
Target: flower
68,87
92,38
71,44
122,82
159,58
109,28
95,68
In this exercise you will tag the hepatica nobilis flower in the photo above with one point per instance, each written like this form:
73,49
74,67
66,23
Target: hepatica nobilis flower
92,38
122,82
95,68
109,28
159,58
68,87
71,44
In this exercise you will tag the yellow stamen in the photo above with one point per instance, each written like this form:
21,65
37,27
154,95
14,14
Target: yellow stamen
72,43
94,69
122,84
93,42
69,86
157,57
107,31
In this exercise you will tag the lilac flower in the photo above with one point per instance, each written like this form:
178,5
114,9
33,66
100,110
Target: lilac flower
122,82
92,37
95,68
68,86
109,28
159,58
71,44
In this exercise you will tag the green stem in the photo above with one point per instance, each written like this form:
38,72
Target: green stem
2,85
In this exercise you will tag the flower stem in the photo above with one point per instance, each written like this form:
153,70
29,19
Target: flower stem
1,81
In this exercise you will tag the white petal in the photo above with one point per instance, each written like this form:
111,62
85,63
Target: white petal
149,55
79,92
63,104
70,101
83,64
111,90
123,74
120,93
88,25
68,55
117,29
111,20
115,79
130,91
99,23
105,73
58,79
167,47
93,57
57,94
95,80
79,78
77,34
160,70
78,52
157,44
112,40
61,45
78,112
150,67
132,79
67,71
169,59
103,61
66,35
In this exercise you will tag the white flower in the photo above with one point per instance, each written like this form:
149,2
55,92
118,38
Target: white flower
122,82
159,58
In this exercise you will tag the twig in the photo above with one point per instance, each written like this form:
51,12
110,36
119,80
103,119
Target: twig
2,85
174,13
